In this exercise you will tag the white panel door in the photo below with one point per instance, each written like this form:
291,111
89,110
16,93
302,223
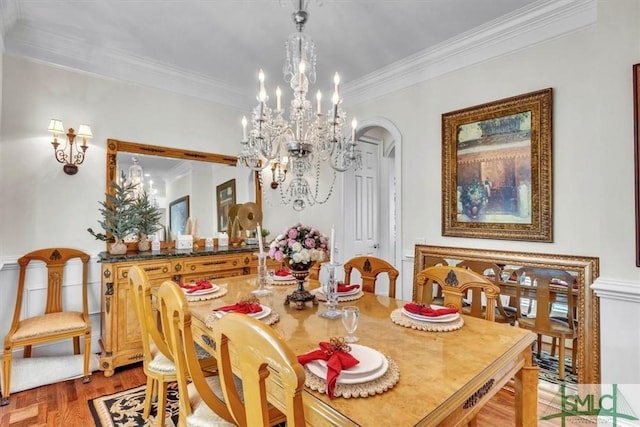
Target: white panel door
362,216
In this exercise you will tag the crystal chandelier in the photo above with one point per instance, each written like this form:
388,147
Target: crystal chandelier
297,149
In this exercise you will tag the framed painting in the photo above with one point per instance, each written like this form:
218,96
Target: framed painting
226,198
178,215
636,152
496,169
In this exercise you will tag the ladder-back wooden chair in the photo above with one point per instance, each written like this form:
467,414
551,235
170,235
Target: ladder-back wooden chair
258,353
370,267
543,323
455,282
59,321
476,308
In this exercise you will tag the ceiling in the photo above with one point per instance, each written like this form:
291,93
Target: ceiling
213,48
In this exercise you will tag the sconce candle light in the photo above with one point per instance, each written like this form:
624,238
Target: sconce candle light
281,167
72,159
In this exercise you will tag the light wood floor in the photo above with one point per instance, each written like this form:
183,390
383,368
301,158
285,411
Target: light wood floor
64,404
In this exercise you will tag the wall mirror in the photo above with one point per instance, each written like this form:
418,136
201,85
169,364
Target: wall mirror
585,269
170,174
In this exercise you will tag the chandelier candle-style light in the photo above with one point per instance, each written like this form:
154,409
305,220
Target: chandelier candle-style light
296,149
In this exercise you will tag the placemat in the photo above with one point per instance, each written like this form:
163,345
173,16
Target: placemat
213,295
366,389
272,318
320,296
400,319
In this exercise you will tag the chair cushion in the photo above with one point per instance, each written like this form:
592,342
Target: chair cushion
159,363
202,415
48,324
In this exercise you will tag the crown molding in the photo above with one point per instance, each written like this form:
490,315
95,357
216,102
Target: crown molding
32,42
8,18
541,21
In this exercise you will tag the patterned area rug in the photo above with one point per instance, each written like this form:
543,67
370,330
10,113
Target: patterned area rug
125,409
549,368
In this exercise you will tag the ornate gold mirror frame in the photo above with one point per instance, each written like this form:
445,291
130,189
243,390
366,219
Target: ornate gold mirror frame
586,269
115,146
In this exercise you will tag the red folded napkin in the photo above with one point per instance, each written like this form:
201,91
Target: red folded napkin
198,286
346,288
282,273
425,310
241,307
337,360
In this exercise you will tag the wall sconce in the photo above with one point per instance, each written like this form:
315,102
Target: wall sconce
282,171
70,160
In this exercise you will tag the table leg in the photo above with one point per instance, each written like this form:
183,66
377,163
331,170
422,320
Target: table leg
526,386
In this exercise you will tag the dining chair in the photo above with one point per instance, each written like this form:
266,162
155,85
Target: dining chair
543,323
369,268
257,352
59,320
430,261
455,282
491,272
158,362
201,399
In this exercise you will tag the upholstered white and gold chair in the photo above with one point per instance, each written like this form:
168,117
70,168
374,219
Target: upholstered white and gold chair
58,321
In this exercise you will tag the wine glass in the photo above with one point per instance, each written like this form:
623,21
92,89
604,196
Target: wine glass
350,315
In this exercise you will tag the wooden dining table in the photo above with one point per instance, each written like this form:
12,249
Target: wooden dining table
445,377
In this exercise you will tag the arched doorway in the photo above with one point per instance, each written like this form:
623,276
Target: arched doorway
372,196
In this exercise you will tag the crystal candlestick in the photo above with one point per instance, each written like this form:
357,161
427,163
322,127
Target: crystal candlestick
263,278
330,290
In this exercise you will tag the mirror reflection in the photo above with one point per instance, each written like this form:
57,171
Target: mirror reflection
183,189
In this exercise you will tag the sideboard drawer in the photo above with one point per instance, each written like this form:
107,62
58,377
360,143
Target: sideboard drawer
153,269
207,264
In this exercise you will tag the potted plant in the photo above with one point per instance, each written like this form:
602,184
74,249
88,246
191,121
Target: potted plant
119,217
148,220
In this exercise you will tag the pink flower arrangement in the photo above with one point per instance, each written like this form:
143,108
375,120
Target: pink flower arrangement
300,245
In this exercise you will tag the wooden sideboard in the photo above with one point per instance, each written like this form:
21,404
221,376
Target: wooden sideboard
120,341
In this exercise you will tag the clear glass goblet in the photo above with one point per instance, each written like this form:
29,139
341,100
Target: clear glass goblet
350,315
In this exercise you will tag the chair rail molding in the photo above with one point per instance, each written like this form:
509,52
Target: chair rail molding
615,289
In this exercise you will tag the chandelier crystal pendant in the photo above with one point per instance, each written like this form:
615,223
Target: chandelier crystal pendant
298,148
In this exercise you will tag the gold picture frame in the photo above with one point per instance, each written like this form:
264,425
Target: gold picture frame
496,169
226,199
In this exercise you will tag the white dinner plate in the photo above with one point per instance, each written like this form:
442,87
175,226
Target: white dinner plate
262,314
212,289
283,278
319,368
351,292
437,319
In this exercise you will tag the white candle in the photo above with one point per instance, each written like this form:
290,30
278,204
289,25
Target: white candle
302,68
244,128
261,81
354,125
259,235
319,104
278,99
333,245
336,82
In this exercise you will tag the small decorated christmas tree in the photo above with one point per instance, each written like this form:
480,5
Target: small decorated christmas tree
119,217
